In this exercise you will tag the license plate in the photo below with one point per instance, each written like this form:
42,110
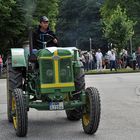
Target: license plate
56,105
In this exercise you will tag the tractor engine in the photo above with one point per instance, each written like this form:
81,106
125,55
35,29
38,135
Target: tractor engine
52,71
55,69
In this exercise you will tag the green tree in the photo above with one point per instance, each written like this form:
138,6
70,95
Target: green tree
18,15
132,9
118,28
68,21
78,21
48,8
11,23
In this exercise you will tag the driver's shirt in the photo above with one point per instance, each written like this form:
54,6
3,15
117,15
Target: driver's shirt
42,36
39,37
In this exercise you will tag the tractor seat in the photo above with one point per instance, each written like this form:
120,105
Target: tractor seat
32,58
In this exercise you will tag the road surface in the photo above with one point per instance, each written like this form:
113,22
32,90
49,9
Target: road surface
120,115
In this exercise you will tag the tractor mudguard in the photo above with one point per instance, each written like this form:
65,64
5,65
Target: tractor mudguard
18,57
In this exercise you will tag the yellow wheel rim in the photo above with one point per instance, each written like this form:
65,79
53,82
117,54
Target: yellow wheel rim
14,110
86,115
86,119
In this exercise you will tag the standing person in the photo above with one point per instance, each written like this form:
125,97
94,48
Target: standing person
99,59
1,64
134,60
82,58
39,35
86,54
94,59
138,57
117,57
126,58
112,58
90,60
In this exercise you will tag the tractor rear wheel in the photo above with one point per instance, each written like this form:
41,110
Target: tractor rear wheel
80,80
76,114
91,111
19,112
14,80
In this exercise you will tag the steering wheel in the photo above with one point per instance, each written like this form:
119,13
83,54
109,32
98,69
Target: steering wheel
47,38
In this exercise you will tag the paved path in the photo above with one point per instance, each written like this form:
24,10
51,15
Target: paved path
120,118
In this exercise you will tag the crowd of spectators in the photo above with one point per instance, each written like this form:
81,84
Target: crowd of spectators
1,65
112,59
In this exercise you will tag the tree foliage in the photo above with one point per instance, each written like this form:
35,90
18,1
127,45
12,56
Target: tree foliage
18,15
48,8
11,23
132,10
118,28
78,21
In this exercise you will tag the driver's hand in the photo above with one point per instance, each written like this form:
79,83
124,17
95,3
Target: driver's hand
55,41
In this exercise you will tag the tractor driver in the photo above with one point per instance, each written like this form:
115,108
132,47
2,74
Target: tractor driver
40,32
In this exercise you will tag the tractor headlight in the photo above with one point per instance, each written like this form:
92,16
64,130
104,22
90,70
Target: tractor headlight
63,72
49,73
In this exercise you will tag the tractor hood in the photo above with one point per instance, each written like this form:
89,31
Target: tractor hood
56,70
49,52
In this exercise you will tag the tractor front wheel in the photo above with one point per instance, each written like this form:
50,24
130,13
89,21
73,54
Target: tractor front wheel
19,112
76,114
91,111
14,80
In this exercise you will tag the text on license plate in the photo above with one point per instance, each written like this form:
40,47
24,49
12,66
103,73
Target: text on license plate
56,105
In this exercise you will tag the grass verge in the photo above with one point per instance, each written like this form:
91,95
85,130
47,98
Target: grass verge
107,71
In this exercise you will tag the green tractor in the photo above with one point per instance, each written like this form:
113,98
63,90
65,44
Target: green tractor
49,79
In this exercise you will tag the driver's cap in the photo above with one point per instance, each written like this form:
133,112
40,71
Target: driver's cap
44,18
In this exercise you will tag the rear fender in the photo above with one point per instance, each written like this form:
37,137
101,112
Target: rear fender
18,57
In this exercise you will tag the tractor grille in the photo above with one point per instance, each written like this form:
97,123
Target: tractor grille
65,72
49,75
47,71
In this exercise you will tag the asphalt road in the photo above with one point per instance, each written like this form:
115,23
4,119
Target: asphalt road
120,115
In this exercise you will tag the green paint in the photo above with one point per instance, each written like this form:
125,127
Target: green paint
68,67
53,90
18,58
45,105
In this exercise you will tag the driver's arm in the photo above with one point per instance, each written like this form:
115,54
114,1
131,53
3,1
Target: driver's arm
55,38
55,41
35,38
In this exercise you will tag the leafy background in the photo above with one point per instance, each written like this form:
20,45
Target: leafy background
74,21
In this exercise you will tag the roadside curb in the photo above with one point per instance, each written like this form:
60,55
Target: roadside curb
3,78
99,73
